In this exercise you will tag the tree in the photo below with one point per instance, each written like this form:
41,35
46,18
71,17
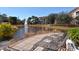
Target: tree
33,20
63,18
51,18
13,20
29,20
3,18
22,21
77,20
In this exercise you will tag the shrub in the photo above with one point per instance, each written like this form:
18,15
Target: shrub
63,18
6,31
74,35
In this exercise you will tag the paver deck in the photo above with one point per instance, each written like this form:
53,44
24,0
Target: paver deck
27,43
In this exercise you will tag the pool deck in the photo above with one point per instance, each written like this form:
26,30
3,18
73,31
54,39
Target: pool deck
27,43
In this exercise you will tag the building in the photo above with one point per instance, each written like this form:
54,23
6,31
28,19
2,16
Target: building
43,19
74,13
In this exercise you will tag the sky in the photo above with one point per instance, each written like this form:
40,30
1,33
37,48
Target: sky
25,12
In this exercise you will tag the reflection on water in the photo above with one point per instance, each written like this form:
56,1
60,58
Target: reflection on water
22,31
19,34
33,29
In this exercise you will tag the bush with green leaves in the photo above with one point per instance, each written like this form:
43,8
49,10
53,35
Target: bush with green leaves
63,18
73,34
6,31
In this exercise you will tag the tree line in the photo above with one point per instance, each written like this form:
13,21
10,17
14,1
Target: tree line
53,18
11,19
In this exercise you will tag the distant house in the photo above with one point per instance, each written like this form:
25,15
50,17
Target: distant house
43,19
74,13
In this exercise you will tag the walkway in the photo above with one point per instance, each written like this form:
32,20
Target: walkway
27,43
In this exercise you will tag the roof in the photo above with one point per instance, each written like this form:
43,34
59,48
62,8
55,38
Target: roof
74,10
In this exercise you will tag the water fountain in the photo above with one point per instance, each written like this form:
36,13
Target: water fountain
20,34
26,26
70,46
